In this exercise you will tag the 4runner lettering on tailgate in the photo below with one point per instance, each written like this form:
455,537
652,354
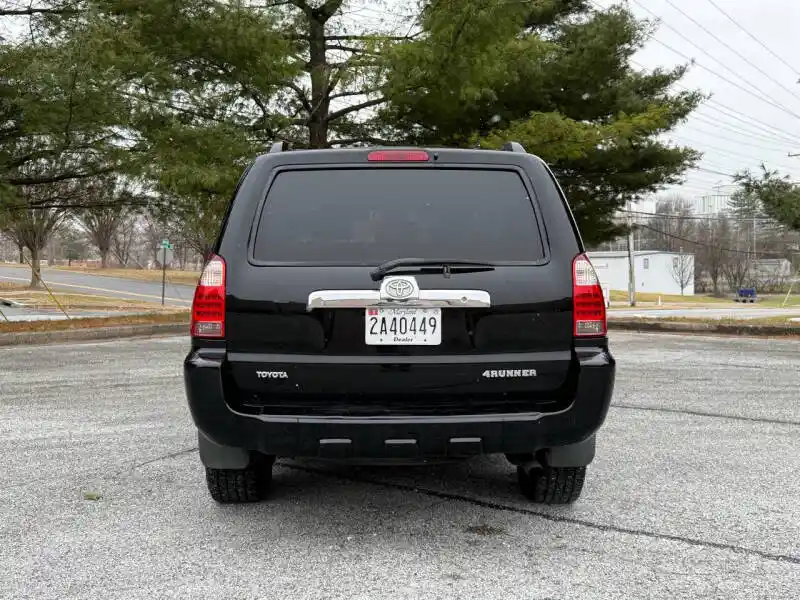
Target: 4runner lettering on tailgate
406,305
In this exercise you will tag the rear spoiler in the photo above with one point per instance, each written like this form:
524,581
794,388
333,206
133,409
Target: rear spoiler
284,146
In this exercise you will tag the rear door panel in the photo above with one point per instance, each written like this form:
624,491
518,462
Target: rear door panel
322,353
324,350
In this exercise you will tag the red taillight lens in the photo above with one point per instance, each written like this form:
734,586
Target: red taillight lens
398,156
588,304
208,308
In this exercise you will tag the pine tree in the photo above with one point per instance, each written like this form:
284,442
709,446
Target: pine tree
191,90
769,194
556,76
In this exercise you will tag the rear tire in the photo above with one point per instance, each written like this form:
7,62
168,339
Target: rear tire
552,485
235,486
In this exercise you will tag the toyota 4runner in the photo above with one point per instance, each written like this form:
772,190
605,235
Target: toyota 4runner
398,305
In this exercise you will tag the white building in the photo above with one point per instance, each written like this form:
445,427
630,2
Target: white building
711,205
654,271
772,269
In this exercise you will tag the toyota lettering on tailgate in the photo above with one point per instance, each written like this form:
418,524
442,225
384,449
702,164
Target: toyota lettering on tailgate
272,375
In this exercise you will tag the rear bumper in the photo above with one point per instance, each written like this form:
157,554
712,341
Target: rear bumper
406,437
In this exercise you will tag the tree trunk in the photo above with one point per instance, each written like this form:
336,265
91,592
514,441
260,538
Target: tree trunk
103,258
36,269
21,254
320,95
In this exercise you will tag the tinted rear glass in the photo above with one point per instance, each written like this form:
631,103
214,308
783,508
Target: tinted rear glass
367,216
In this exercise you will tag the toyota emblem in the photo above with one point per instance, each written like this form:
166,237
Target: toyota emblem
399,289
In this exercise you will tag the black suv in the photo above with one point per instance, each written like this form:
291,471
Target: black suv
398,305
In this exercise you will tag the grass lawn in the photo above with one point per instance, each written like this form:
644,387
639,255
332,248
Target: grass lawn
767,321
63,325
772,301
620,296
41,299
178,277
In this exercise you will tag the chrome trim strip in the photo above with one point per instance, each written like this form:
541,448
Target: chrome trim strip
456,298
372,298
343,299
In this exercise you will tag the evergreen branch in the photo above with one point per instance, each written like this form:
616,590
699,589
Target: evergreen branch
396,38
301,94
29,12
352,49
354,108
65,176
360,140
366,92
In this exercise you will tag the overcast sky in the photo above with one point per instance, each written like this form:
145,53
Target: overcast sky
754,112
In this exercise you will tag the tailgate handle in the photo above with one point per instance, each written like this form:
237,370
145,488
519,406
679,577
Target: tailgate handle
373,298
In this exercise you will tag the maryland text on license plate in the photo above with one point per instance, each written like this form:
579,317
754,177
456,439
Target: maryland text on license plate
403,326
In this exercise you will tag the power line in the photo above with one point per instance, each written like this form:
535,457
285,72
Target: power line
732,112
732,49
723,109
704,245
696,217
759,94
754,38
736,129
735,141
733,83
746,119
712,171
730,152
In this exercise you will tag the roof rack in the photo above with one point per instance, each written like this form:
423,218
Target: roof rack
514,147
282,146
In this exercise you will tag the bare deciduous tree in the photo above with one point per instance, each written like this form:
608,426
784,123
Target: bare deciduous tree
737,269
33,216
714,236
109,203
672,225
683,270
32,229
122,245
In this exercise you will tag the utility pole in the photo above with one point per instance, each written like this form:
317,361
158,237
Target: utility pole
165,245
631,266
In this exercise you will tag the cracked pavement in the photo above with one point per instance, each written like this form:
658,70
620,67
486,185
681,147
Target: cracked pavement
694,492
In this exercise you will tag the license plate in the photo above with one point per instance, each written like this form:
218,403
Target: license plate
403,326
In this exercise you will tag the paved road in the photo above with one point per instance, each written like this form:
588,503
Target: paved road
694,492
84,283
740,312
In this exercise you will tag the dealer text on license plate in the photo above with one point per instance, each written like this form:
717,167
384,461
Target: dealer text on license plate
403,326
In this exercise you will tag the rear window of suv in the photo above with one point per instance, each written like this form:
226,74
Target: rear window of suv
366,216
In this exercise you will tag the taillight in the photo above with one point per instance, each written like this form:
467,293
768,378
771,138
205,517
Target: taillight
588,304
398,156
208,308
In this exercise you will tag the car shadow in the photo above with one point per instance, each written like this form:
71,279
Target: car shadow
485,479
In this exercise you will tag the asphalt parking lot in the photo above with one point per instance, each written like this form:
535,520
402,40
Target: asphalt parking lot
694,493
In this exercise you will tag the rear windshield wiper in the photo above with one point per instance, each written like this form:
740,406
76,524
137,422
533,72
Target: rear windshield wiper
446,265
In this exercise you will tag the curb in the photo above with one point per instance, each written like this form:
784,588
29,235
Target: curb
10,303
717,328
99,333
